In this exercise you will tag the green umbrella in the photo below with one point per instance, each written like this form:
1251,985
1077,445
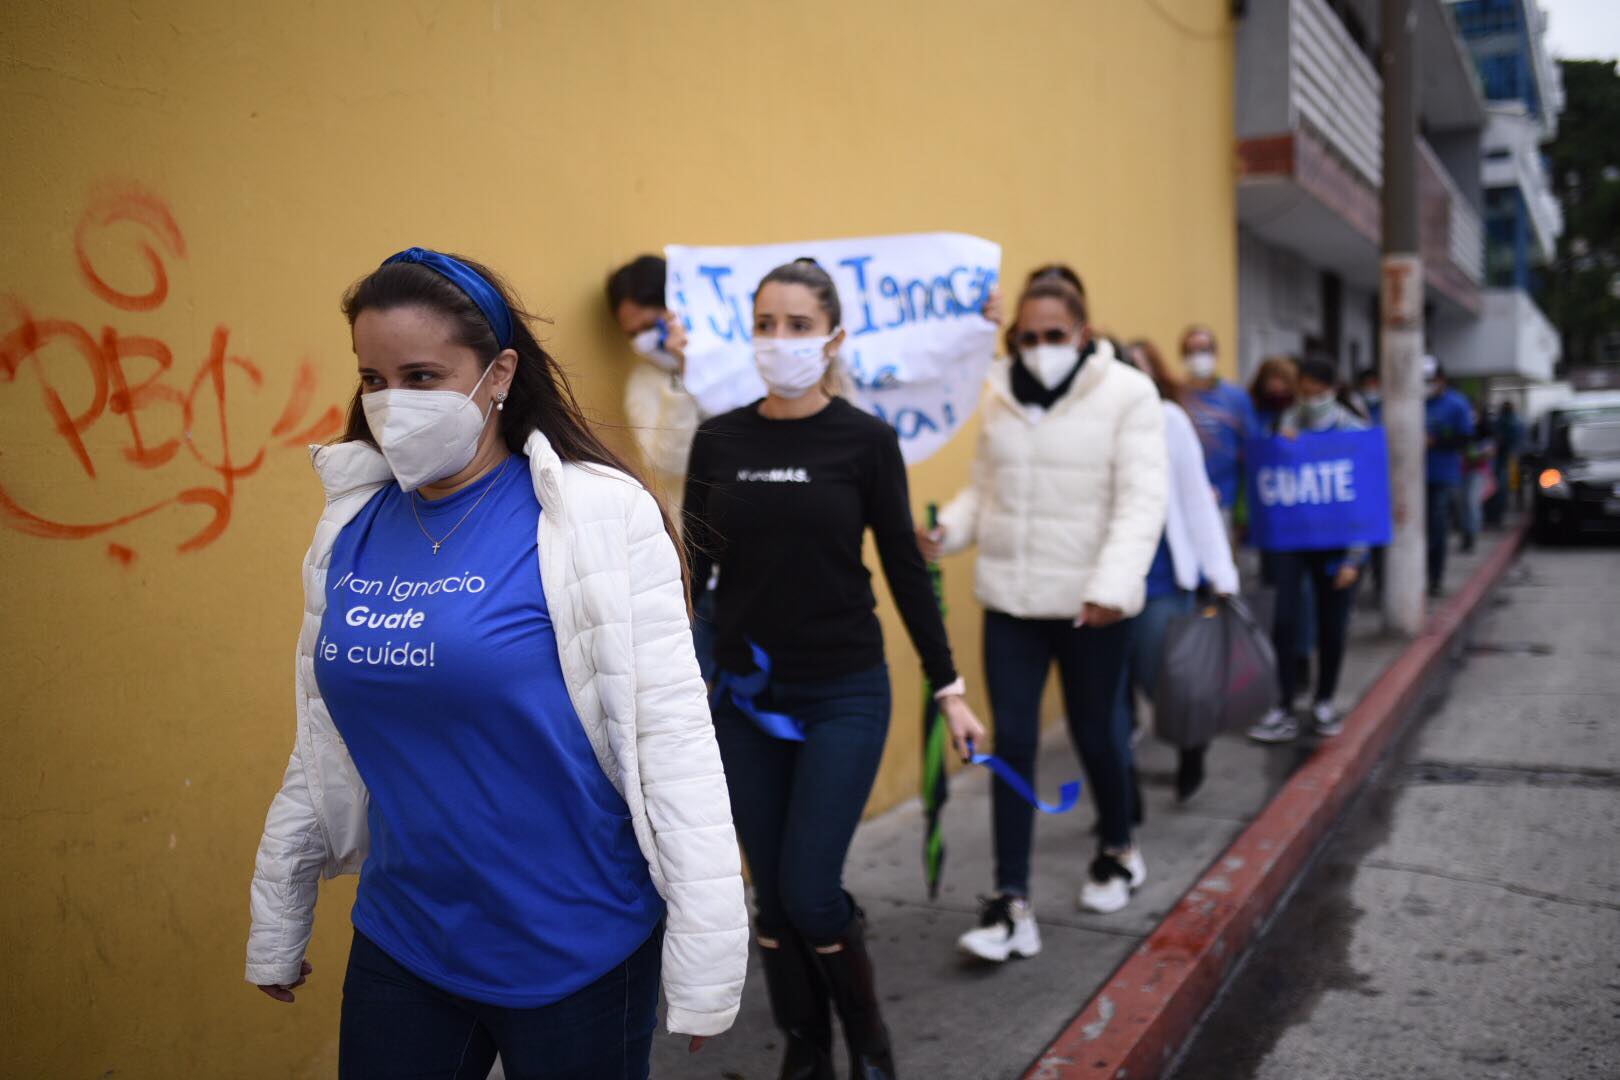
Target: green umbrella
935,782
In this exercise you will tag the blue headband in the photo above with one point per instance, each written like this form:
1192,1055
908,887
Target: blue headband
469,281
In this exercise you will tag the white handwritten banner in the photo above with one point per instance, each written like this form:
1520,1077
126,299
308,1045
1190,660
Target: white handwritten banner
916,342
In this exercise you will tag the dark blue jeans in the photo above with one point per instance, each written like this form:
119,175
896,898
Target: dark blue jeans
1442,499
395,1026
796,804
1018,656
1297,570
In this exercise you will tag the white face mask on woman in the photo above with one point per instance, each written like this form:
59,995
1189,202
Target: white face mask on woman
1201,364
1318,407
791,367
1050,364
425,435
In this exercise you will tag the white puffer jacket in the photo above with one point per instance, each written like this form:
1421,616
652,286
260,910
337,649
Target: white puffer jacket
1066,504
664,418
613,585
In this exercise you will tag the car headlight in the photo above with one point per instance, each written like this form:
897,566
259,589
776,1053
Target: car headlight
1553,484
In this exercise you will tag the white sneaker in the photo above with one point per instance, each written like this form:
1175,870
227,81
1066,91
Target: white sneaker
1326,719
1006,928
1112,879
1277,726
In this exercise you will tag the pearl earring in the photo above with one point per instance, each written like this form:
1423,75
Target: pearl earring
500,402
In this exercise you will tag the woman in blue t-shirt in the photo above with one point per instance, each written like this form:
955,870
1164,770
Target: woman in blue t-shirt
501,724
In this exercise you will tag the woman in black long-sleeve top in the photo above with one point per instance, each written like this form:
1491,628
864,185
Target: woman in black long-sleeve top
780,494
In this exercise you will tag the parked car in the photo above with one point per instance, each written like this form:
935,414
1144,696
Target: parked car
1574,467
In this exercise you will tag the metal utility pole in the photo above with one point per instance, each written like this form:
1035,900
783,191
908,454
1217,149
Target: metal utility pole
1401,332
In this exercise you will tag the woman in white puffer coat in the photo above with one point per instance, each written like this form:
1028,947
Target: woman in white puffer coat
1066,504
501,725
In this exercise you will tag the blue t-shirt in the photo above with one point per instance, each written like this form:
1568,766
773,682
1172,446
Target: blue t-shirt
503,866
1161,576
1224,416
1447,415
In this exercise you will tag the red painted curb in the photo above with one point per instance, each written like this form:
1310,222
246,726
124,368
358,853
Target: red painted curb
1137,1022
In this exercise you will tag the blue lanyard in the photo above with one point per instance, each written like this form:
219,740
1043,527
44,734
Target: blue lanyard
741,690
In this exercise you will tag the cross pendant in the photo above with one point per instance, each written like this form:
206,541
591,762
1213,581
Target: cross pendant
436,544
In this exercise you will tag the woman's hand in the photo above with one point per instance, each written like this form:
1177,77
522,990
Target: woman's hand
931,542
964,727
994,306
1347,575
696,1044
675,339
1098,616
285,993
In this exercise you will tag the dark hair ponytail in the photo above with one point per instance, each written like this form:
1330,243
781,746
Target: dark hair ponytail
807,272
540,397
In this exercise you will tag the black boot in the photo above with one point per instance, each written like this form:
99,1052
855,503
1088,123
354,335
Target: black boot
1189,771
799,1004
847,967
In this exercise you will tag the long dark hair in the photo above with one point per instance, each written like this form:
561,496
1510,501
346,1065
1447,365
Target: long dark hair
540,397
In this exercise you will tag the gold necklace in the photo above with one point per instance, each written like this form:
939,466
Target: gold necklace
440,541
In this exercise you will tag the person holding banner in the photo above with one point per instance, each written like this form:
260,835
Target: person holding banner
1331,574
663,416
1066,505
1193,549
780,494
501,726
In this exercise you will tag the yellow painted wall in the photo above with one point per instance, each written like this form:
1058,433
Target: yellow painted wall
256,158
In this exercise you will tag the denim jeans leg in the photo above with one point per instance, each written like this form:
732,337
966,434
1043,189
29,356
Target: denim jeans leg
1333,623
1017,658
1441,498
603,1031
1091,664
1286,621
396,1024
846,721
759,777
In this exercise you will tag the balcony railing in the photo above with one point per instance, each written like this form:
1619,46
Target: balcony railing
1334,88
1455,229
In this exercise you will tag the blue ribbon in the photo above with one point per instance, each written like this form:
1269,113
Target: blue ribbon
1068,794
469,281
743,689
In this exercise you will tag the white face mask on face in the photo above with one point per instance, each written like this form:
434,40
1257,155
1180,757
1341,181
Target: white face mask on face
1201,365
791,367
425,435
649,345
1050,364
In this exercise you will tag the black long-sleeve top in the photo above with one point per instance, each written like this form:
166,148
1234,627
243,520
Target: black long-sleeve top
782,506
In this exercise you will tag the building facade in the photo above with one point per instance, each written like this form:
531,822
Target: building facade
1514,342
1309,124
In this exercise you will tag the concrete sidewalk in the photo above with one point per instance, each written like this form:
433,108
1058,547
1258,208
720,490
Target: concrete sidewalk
953,1018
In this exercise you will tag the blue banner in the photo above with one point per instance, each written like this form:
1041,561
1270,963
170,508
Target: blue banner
1318,490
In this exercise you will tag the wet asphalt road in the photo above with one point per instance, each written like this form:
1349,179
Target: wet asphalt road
1465,919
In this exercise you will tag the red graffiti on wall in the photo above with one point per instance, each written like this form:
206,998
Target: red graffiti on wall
131,381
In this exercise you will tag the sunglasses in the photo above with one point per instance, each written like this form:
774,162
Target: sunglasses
1029,338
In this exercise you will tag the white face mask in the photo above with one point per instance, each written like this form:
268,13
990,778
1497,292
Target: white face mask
1201,365
791,367
1050,364
426,435
1318,406
649,345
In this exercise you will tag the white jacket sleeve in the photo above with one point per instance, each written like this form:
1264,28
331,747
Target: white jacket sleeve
960,517
1140,486
286,876
683,786
1190,484
663,418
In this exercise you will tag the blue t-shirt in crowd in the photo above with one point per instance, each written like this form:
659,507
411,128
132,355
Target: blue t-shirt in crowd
1224,416
1447,415
503,866
1161,576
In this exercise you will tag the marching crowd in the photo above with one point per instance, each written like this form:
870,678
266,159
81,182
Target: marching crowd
545,814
